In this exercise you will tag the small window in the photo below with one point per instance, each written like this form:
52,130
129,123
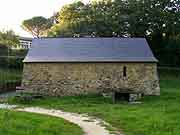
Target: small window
124,71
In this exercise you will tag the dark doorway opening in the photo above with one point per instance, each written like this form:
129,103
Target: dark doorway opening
121,97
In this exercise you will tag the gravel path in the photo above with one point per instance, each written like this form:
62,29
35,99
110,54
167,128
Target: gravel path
6,106
90,126
7,95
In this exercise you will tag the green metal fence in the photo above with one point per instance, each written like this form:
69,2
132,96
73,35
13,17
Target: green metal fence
167,72
11,67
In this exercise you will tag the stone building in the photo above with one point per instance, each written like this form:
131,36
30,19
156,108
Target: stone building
73,66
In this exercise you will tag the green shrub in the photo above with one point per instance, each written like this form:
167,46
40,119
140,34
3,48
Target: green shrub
11,62
3,50
18,53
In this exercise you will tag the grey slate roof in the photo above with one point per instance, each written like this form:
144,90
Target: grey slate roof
90,50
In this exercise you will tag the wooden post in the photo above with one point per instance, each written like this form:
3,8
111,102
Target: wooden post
114,97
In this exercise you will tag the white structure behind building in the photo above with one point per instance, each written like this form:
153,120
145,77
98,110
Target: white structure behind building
25,43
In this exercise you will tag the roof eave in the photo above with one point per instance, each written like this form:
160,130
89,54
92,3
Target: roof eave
90,61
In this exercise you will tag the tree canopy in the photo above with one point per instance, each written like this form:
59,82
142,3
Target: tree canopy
9,38
130,18
37,26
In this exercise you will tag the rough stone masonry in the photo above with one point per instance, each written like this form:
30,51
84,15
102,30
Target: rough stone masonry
62,79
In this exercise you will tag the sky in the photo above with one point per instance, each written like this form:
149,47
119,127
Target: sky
13,12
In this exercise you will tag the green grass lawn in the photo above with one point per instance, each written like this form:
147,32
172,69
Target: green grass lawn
155,116
21,123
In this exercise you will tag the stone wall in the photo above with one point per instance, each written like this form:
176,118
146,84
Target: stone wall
59,79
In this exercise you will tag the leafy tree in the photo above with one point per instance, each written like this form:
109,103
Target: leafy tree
119,18
69,20
54,18
9,38
37,26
